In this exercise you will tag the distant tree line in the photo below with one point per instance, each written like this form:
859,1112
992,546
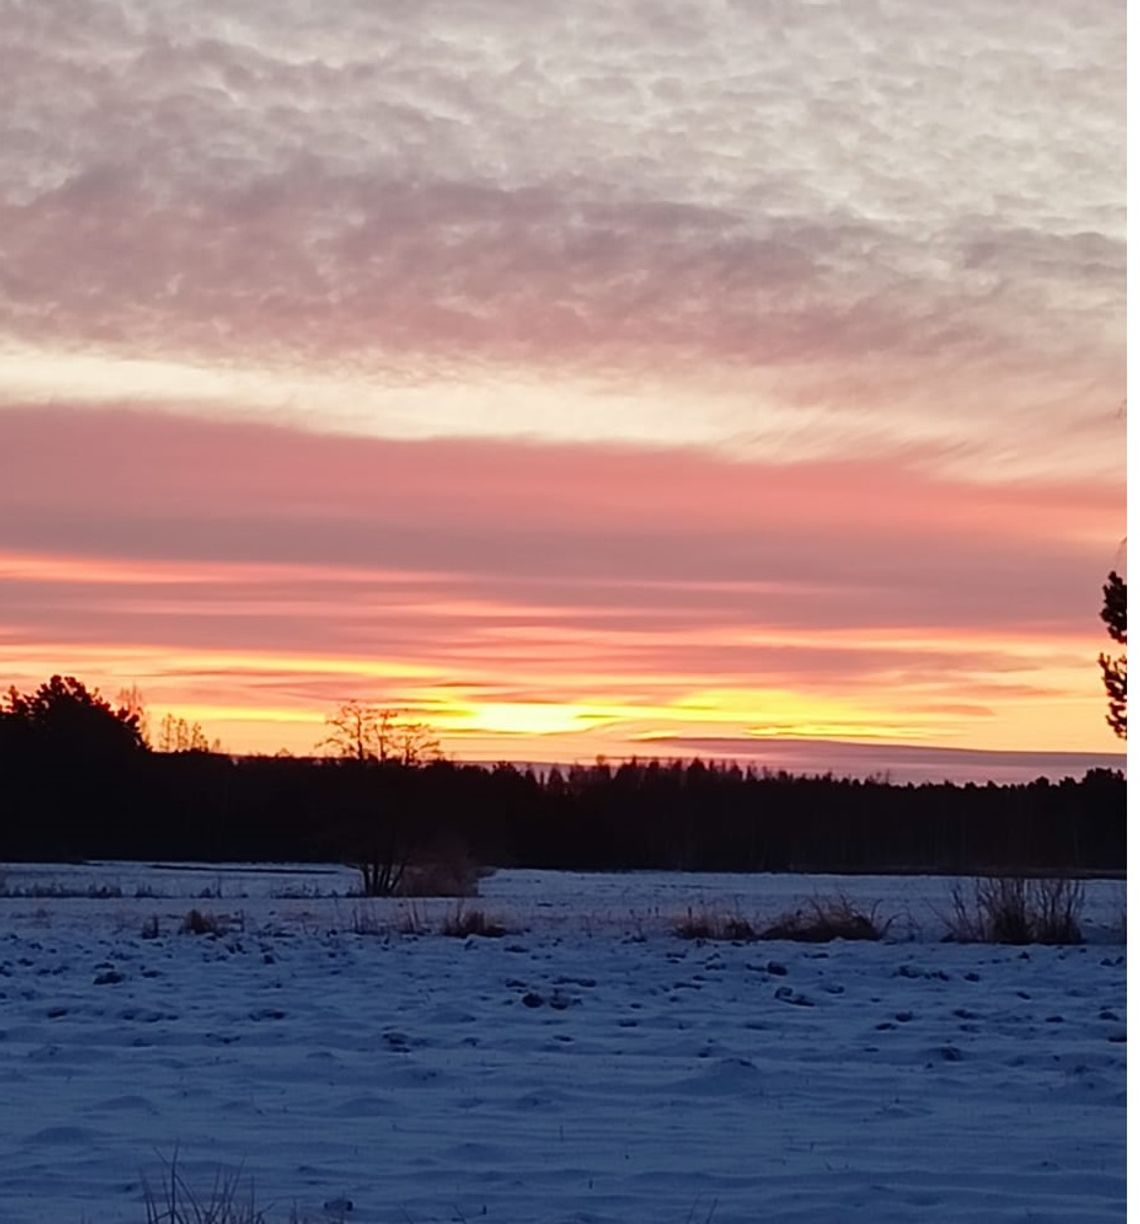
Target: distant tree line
78,780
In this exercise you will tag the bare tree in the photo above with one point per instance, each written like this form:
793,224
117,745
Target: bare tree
179,735
131,701
416,743
361,732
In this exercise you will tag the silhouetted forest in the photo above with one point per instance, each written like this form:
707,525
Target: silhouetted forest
78,781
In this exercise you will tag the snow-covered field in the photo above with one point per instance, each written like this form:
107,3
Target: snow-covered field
590,1067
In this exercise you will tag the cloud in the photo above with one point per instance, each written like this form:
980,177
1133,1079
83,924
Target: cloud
881,215
899,762
181,552
793,537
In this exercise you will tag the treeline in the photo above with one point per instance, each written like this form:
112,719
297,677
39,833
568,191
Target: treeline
78,780
697,816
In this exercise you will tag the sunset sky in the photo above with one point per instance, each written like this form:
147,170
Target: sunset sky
718,377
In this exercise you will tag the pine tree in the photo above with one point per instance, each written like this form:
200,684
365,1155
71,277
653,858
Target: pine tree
1114,671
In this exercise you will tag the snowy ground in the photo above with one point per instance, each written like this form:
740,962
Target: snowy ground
591,1067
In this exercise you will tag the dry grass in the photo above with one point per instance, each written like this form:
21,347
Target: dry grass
198,923
823,919
176,1203
55,892
464,922
228,1201
1016,910
700,925
818,921
705,925
365,922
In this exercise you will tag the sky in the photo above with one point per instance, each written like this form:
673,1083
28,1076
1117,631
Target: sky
711,377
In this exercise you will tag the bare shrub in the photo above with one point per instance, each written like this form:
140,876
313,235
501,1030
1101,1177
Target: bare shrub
464,922
198,923
1016,910
380,875
394,867
1004,904
824,919
964,921
1058,905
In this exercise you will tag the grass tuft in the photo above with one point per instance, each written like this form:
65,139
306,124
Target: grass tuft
1016,910
824,919
228,1201
174,1202
703,924
464,922
819,921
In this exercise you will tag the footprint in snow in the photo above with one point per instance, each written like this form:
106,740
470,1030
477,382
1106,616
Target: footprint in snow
787,995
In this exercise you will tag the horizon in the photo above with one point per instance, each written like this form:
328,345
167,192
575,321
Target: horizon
708,377
891,763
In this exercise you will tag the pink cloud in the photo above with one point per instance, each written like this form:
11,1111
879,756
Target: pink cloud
578,530
264,567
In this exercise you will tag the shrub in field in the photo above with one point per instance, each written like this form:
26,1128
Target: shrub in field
1058,908
1016,910
150,928
392,869
825,919
463,922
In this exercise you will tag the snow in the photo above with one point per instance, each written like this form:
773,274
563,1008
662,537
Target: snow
589,1067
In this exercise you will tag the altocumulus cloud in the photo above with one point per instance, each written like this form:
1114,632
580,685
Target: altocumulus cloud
842,219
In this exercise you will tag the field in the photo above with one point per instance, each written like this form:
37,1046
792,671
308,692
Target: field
587,1066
